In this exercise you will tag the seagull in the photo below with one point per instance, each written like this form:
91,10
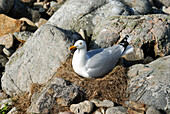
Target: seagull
98,62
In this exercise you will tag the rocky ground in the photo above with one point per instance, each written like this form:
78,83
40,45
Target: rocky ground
35,61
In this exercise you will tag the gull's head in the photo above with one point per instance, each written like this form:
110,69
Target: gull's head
80,44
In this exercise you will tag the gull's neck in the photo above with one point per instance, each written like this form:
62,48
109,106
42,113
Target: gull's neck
80,57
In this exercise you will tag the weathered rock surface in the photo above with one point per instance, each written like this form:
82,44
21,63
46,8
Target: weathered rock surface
139,6
82,107
150,83
38,59
150,34
9,25
152,110
87,16
6,5
56,92
116,110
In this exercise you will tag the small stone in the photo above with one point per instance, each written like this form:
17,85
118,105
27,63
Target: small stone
104,103
116,110
166,10
38,5
152,110
23,36
83,107
41,22
8,52
7,40
13,111
30,26
147,60
97,112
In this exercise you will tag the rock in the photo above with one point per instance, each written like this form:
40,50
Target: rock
150,83
97,112
13,111
104,103
116,110
38,5
9,25
166,10
5,6
139,6
53,9
160,3
41,22
3,60
7,40
65,112
23,36
37,59
56,92
152,110
147,60
30,25
71,16
8,52
81,108
20,10
150,34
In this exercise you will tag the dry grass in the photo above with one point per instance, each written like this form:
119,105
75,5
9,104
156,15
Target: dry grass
23,100
111,87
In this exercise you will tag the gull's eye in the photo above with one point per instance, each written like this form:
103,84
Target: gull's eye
80,43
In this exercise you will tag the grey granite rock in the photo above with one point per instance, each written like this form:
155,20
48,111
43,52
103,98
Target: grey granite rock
82,107
150,34
37,59
116,110
139,6
150,83
56,92
152,110
6,5
72,16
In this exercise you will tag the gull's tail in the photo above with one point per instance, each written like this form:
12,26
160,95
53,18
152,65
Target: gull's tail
125,43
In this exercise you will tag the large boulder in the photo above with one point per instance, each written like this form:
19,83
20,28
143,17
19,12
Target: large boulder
56,92
6,5
150,34
150,83
72,16
38,59
139,6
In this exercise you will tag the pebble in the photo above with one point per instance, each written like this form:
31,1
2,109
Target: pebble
82,107
152,110
116,110
104,103
8,52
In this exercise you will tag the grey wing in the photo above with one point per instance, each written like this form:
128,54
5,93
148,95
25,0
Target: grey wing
105,60
94,52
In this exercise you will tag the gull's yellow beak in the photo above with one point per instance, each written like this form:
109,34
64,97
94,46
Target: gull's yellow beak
72,47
